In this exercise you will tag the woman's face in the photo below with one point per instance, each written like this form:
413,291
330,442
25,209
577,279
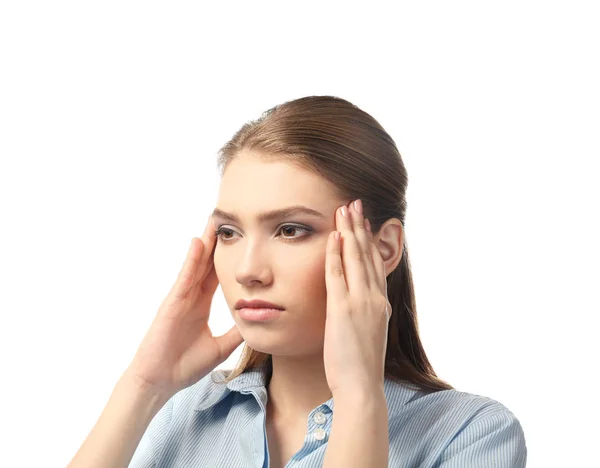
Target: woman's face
278,260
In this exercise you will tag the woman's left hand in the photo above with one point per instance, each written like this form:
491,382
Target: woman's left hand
358,309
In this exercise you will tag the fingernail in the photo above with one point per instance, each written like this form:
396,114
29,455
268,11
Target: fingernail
344,211
358,206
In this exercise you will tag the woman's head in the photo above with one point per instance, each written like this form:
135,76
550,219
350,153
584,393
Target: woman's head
319,152
281,259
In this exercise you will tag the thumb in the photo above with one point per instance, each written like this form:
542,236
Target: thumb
229,341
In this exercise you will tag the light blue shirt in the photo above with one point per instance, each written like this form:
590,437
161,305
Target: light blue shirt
216,425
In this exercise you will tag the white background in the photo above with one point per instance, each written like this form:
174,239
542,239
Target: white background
111,114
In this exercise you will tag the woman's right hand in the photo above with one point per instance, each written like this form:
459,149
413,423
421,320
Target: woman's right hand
179,348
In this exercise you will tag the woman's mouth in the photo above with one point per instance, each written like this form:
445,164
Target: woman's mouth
254,314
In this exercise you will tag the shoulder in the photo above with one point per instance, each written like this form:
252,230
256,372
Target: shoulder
175,412
457,403
455,408
461,426
206,392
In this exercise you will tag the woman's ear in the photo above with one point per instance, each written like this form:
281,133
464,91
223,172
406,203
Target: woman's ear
390,243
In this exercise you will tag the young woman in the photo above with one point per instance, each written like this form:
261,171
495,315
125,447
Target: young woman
332,372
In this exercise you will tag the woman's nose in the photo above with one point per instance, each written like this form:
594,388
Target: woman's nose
253,267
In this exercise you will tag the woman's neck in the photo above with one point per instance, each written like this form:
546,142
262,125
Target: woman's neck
296,387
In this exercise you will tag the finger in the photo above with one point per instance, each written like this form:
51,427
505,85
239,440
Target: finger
229,342
378,263
335,281
194,266
186,274
210,282
209,239
364,242
353,258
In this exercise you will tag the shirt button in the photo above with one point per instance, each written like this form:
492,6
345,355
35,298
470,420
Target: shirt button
319,433
319,417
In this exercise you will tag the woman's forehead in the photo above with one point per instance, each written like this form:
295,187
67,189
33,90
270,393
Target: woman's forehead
274,185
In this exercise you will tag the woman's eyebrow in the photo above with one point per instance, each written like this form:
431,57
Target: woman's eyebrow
264,216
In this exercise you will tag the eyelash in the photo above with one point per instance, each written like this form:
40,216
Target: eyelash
219,231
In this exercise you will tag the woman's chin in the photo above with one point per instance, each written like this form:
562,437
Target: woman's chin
270,342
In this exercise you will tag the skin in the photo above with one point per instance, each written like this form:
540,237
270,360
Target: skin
286,266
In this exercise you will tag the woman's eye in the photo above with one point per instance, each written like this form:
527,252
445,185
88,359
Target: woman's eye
287,229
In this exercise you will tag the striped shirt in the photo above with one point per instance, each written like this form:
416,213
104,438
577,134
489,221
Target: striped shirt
216,425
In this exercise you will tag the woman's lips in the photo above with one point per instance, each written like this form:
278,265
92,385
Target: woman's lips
258,314
256,302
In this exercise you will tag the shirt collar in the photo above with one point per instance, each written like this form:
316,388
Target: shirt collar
253,381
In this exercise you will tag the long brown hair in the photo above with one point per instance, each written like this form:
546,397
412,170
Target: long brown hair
349,148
